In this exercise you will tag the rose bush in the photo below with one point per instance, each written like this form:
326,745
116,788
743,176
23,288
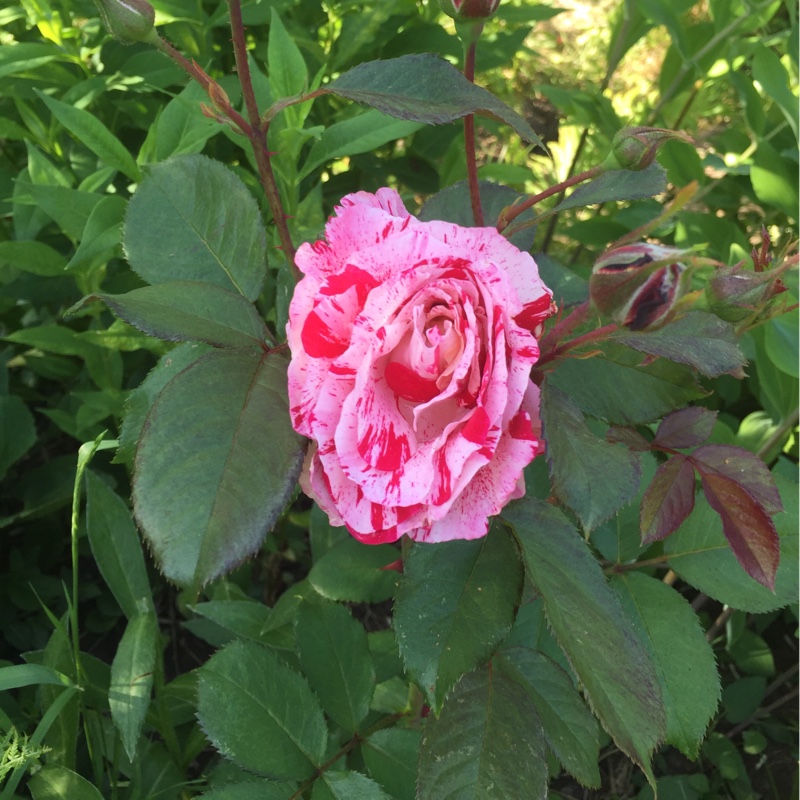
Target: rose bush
412,344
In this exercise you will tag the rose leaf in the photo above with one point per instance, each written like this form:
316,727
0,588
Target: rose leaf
204,442
668,500
699,339
687,669
176,228
687,427
747,527
590,625
487,742
424,88
456,603
700,554
742,467
591,476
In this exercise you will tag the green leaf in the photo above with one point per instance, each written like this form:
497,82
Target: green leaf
70,209
618,184
360,134
193,219
56,782
21,57
685,663
17,431
66,342
243,618
335,658
188,311
774,179
780,342
453,204
391,758
259,713
455,605
116,548
569,728
589,623
89,131
698,339
487,744
776,84
19,675
288,74
589,475
102,234
322,535
617,388
354,572
34,257
141,399
336,785
182,128
424,88
252,790
700,554
204,493
132,679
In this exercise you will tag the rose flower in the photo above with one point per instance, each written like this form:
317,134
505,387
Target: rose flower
412,344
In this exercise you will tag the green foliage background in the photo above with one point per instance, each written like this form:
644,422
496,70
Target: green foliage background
81,117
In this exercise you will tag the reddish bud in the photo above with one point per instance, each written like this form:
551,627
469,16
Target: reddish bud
636,148
465,10
638,284
128,21
737,293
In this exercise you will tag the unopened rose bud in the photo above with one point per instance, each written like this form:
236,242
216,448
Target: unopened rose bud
736,293
464,10
638,284
128,21
636,148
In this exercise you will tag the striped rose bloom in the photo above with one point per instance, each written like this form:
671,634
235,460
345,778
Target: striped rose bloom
412,344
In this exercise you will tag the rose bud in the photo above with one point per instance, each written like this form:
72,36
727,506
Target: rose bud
128,21
465,10
637,284
636,148
736,293
412,345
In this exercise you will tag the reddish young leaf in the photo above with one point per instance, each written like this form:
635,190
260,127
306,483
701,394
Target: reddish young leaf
630,437
688,427
668,500
742,467
747,527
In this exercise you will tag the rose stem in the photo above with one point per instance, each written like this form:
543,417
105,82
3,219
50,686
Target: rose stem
254,131
258,137
470,46
382,723
510,214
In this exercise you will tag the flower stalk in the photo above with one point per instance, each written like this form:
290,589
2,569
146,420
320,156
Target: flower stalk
254,129
470,32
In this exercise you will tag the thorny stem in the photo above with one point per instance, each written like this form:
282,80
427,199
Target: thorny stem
470,47
344,750
253,130
510,214
258,137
